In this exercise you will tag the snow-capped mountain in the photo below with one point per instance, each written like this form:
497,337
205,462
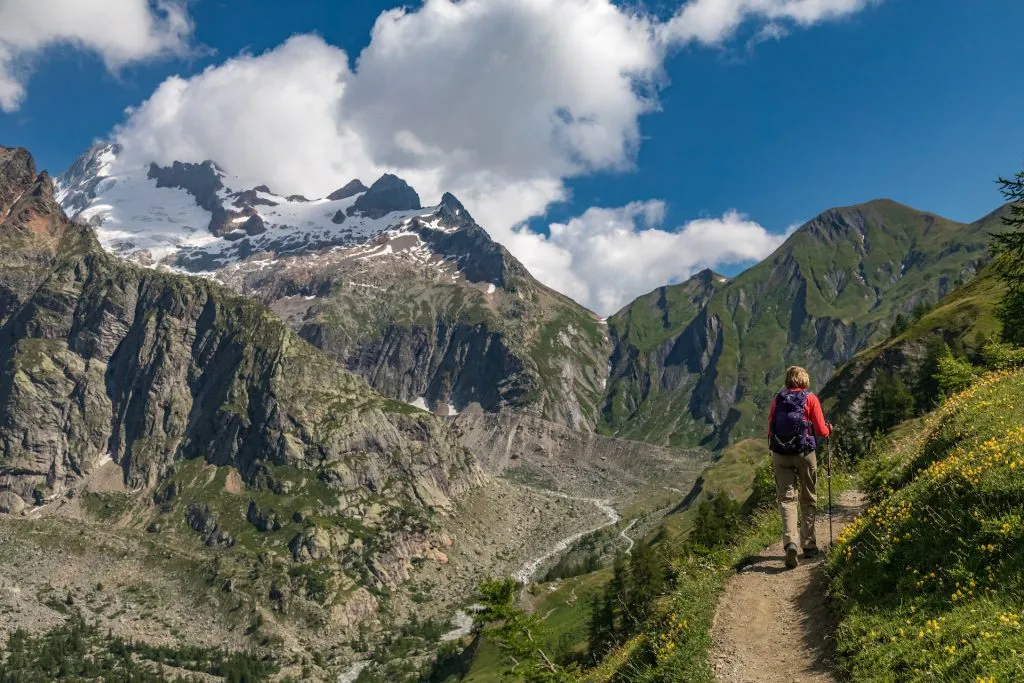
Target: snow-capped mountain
198,218
419,301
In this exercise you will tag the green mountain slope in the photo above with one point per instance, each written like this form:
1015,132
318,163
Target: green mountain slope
961,320
830,291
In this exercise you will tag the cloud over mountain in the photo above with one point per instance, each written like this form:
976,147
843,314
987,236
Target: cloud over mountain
606,257
498,101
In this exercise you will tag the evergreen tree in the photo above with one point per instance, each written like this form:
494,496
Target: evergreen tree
646,582
717,522
900,325
888,404
926,389
1008,248
602,626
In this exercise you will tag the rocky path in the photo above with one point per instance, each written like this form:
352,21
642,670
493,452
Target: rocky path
773,623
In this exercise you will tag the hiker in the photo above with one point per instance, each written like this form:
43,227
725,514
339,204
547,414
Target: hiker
795,418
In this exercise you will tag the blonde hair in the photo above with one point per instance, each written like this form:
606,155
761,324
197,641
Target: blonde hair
797,378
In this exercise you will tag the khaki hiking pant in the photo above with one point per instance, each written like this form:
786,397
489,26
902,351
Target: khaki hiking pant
789,471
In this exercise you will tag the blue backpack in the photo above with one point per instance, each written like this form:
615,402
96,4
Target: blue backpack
791,432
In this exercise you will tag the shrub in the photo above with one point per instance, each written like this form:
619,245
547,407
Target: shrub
954,375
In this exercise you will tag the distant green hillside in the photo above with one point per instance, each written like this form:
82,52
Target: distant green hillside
698,362
962,320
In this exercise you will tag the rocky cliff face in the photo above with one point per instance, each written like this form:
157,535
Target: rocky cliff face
434,313
699,363
101,360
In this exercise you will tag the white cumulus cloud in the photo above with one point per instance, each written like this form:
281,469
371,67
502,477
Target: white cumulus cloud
713,22
119,31
606,257
497,101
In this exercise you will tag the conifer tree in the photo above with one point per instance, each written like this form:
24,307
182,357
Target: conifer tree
1008,248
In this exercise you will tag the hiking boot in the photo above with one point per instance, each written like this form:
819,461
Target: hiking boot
811,553
791,553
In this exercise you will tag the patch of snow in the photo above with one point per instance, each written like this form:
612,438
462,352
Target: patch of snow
359,284
383,252
133,216
452,412
491,288
421,403
309,298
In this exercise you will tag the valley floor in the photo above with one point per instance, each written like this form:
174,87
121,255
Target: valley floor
773,624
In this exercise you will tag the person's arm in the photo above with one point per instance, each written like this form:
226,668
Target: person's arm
817,417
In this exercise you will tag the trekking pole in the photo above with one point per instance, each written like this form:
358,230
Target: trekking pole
828,469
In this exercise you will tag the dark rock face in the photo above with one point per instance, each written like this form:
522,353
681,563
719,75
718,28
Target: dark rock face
480,258
432,363
254,226
263,520
350,190
247,198
338,218
205,523
202,181
388,194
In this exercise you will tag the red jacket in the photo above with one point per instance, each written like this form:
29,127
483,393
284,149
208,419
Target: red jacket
814,414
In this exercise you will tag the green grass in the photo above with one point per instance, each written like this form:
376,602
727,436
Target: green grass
929,581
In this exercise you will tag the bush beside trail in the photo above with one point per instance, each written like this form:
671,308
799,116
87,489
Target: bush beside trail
930,580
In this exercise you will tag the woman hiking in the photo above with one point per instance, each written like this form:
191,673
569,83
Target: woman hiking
795,418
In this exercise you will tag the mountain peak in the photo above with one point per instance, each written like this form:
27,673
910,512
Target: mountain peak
390,193
17,173
353,188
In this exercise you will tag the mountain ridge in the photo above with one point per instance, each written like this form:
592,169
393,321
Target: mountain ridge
824,294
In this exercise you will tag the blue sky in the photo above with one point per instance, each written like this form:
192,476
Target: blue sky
906,99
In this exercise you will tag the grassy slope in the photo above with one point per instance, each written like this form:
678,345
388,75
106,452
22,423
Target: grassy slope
568,603
930,579
770,315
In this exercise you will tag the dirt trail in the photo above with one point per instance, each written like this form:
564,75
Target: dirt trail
773,624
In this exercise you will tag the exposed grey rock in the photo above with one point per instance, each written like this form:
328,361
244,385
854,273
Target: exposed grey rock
263,520
353,188
389,193
11,503
101,358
